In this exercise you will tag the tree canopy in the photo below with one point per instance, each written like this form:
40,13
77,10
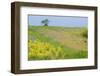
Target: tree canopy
45,22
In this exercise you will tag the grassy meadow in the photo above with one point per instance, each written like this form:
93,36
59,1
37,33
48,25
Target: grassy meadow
55,42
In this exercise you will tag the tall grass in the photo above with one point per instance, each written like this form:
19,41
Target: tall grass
39,50
44,47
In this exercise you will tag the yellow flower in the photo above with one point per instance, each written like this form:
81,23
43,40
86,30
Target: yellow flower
41,49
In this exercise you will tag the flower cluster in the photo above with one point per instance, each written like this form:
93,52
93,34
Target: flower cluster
43,50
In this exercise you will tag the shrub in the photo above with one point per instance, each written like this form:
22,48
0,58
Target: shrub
85,33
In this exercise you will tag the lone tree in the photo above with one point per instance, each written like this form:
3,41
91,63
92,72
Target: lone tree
45,22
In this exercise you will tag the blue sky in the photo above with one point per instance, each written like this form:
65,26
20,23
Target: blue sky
66,21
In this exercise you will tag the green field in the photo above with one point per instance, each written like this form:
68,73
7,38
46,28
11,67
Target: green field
54,42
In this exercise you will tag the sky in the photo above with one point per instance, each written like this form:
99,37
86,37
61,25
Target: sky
66,21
